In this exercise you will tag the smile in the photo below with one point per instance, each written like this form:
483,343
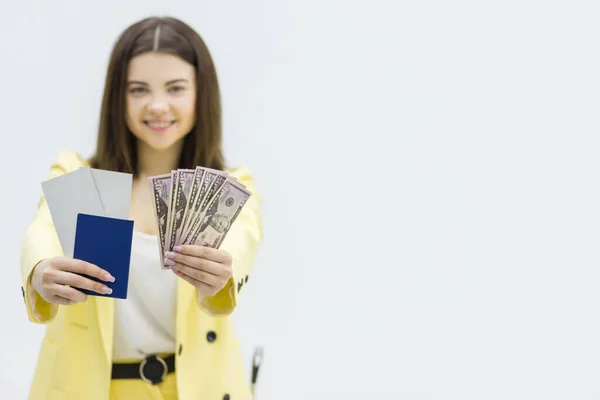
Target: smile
159,125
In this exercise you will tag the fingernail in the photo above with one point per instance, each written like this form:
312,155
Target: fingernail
106,290
178,249
170,262
170,254
109,278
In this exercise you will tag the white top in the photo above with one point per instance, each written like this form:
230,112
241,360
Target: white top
145,321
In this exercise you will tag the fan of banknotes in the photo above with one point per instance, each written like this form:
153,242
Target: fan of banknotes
195,206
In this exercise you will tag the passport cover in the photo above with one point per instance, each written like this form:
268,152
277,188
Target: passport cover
105,242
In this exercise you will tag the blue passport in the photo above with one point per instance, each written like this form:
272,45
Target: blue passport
105,242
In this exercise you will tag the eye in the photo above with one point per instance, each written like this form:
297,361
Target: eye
176,89
137,90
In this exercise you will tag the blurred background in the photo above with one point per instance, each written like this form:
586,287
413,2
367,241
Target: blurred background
429,173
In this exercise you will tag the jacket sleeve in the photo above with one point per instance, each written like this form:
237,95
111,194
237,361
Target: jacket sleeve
40,242
242,242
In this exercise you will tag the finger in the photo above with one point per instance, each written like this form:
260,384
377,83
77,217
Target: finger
209,253
197,284
208,266
78,281
84,267
69,293
63,301
197,274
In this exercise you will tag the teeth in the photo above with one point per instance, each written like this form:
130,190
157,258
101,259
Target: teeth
159,124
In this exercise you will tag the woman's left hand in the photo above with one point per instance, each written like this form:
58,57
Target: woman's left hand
205,268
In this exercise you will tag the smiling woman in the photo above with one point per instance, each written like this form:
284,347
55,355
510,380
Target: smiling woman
161,96
172,337
160,72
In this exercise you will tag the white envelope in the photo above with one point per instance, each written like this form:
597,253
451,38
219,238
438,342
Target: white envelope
114,189
68,195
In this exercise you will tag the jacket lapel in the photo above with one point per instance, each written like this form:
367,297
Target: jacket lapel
184,293
105,311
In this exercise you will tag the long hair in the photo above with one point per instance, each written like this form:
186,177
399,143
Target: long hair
116,146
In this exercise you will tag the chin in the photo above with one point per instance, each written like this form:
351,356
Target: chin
160,145
159,142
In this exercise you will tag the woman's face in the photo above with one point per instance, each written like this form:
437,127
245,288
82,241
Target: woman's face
161,99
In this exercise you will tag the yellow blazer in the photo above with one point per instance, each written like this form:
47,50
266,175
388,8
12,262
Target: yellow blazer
76,352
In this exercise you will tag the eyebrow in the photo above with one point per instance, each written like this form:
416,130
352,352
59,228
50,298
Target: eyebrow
166,84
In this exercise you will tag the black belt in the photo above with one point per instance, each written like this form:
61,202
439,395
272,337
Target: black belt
152,369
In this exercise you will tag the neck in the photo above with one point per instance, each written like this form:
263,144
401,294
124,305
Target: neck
152,162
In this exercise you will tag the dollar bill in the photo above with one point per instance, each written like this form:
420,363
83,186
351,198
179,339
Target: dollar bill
195,206
174,182
219,213
240,207
193,188
160,187
183,182
197,179
212,180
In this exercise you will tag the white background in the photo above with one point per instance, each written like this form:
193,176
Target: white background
430,180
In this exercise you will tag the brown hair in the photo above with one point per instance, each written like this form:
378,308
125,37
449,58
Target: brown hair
116,145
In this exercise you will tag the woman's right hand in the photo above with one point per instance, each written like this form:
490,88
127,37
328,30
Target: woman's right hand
57,280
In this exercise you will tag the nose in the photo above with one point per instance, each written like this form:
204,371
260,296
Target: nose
157,105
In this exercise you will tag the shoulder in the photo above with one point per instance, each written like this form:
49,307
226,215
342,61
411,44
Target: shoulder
67,161
245,177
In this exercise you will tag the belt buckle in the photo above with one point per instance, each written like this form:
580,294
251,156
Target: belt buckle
153,362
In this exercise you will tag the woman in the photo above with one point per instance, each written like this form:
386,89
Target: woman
172,338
